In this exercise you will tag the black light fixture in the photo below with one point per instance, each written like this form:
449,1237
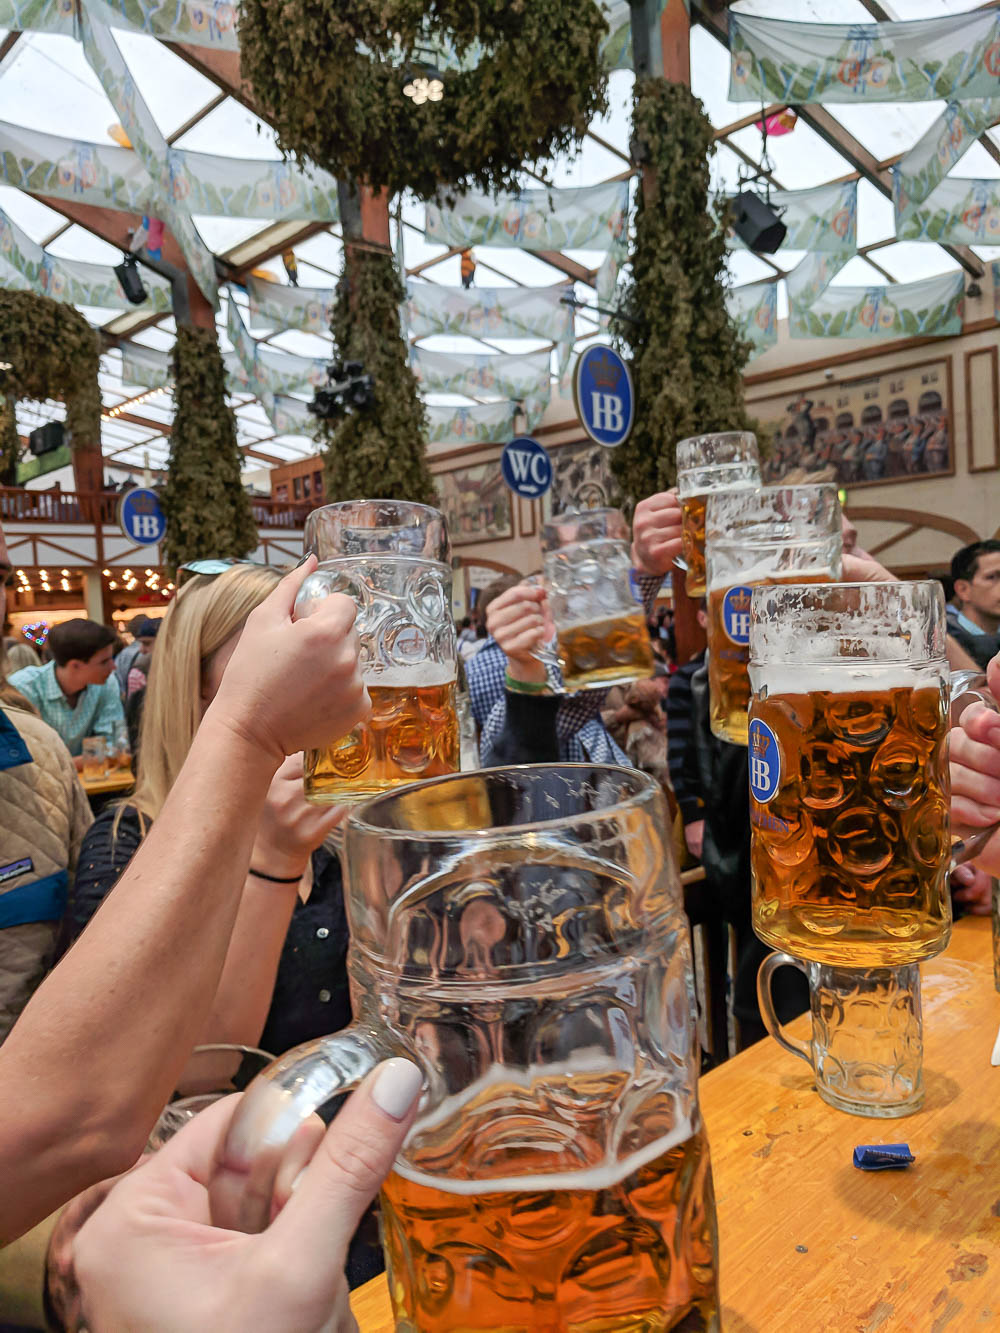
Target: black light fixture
348,389
127,273
757,224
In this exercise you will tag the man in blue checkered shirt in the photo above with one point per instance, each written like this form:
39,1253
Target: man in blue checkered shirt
517,624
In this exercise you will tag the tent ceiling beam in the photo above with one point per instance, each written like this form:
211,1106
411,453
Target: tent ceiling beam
197,118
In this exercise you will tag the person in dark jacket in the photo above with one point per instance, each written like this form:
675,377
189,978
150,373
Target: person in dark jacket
681,758
974,617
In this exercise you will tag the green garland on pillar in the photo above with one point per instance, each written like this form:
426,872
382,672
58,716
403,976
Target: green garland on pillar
208,511
687,355
379,451
53,353
329,76
10,441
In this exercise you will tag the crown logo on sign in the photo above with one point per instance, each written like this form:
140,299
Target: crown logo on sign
144,504
758,742
739,599
606,372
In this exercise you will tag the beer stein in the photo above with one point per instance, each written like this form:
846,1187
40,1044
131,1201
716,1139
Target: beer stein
601,632
867,1048
519,934
849,786
707,464
392,558
781,534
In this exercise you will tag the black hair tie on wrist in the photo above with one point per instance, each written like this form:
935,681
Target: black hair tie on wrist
274,879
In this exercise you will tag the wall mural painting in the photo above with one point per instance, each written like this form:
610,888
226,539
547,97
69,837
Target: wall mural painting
476,503
581,478
887,427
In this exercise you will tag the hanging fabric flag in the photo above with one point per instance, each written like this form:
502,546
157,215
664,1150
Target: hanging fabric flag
919,172
774,60
67,169
487,375
244,345
288,416
108,64
73,280
486,423
197,22
754,310
931,308
268,369
591,218
275,306
812,275
491,312
58,16
823,218
145,367
959,212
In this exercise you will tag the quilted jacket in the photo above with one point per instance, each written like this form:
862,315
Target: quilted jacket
43,817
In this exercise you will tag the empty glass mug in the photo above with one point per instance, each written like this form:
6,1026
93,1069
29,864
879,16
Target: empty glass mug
849,786
780,534
707,464
601,631
393,559
867,1048
519,933
95,757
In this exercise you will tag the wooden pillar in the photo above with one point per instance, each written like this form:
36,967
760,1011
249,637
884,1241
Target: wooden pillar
364,219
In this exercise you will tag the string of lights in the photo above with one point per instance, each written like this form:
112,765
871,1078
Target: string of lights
119,408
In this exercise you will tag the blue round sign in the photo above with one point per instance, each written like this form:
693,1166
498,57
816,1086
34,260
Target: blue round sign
605,398
764,757
141,517
526,467
736,615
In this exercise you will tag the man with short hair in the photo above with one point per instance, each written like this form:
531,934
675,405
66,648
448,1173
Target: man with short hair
73,692
975,624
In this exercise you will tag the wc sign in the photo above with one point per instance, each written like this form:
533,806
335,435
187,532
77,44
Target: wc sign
141,518
605,397
526,467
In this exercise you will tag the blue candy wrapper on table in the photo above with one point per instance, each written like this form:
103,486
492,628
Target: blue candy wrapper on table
882,1156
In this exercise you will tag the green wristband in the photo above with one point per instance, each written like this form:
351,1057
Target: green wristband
525,686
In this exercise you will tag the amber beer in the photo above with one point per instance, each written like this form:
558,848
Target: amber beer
709,465
605,650
693,509
849,808
412,733
625,1250
729,653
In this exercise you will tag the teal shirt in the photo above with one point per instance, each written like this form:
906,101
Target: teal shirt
97,709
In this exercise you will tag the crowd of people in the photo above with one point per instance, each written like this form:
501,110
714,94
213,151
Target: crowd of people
207,907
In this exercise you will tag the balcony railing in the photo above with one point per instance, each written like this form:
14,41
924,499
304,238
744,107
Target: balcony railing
17,505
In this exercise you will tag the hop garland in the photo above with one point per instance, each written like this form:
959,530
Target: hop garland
687,354
329,76
208,511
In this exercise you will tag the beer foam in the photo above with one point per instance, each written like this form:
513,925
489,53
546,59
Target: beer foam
842,676
422,676
604,1176
765,572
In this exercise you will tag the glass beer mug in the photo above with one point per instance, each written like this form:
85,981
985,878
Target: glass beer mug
780,534
867,1048
601,631
392,558
706,465
519,933
849,786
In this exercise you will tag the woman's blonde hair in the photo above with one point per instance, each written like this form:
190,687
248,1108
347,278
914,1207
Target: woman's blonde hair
204,614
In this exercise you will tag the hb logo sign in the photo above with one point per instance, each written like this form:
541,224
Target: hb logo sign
605,401
765,761
141,517
736,615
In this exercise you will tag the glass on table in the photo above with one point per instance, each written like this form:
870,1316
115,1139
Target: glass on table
867,1048
519,933
850,793
393,559
601,633
120,750
707,464
779,534
95,758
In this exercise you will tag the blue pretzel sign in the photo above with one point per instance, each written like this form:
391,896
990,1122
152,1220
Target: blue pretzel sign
141,517
526,467
604,395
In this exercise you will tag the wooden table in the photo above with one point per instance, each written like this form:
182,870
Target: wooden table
117,780
812,1245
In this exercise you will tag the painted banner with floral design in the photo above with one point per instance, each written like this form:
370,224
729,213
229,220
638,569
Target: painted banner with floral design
58,16
81,172
242,188
931,308
288,416
145,367
485,423
919,172
754,310
591,218
268,369
489,375
74,280
107,62
197,22
960,211
491,312
812,275
824,218
273,305
956,57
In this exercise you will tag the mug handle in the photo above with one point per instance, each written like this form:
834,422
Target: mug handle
765,999
964,689
275,1105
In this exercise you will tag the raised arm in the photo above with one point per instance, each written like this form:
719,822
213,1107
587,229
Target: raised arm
98,1050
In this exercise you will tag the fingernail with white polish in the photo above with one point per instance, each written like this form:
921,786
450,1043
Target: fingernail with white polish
297,1181
397,1087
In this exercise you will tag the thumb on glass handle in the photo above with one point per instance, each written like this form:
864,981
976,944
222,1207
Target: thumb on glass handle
274,1107
765,999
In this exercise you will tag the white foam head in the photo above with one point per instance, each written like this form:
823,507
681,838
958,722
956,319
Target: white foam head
421,675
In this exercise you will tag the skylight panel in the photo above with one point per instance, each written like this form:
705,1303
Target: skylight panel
172,89
35,218
222,234
231,130
890,128
876,219
78,243
746,267
809,11
48,85
908,261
